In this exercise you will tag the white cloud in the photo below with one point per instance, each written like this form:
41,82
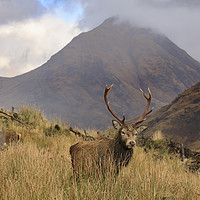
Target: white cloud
28,44
12,10
4,62
31,31
177,19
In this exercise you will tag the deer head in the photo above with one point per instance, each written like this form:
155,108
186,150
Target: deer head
128,132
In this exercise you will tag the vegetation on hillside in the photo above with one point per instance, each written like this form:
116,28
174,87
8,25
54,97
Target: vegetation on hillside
39,167
179,119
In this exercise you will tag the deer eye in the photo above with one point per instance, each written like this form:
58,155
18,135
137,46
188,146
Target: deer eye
123,133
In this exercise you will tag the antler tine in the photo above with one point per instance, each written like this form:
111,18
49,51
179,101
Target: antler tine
107,90
140,120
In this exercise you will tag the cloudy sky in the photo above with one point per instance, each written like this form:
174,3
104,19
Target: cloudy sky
31,31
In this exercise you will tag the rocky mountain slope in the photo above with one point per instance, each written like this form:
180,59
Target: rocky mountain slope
71,84
179,120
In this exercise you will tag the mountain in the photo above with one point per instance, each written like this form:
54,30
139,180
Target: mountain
180,119
71,84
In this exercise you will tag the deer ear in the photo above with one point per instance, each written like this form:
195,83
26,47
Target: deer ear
116,124
142,128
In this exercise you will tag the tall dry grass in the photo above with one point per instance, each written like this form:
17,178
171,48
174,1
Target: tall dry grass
40,168
32,171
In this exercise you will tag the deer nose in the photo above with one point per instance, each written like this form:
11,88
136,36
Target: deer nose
132,143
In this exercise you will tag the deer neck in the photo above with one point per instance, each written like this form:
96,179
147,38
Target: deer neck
118,144
122,155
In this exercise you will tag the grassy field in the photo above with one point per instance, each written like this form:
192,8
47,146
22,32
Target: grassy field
39,167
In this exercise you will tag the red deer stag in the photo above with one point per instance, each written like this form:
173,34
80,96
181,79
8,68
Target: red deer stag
106,152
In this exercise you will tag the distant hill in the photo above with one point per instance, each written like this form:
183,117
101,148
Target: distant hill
71,84
179,120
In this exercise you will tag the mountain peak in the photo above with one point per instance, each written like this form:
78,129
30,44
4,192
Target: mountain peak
72,82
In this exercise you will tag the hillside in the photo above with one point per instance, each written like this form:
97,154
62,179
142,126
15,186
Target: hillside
39,167
180,119
71,84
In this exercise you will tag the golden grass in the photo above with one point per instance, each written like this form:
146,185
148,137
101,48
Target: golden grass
33,171
39,167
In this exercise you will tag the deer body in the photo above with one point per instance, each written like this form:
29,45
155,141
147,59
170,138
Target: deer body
106,152
9,136
12,136
117,152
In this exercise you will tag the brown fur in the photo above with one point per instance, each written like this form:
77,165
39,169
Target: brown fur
12,136
101,154
105,152
9,136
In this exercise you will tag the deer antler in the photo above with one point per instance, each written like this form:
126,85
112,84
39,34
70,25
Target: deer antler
107,90
140,120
